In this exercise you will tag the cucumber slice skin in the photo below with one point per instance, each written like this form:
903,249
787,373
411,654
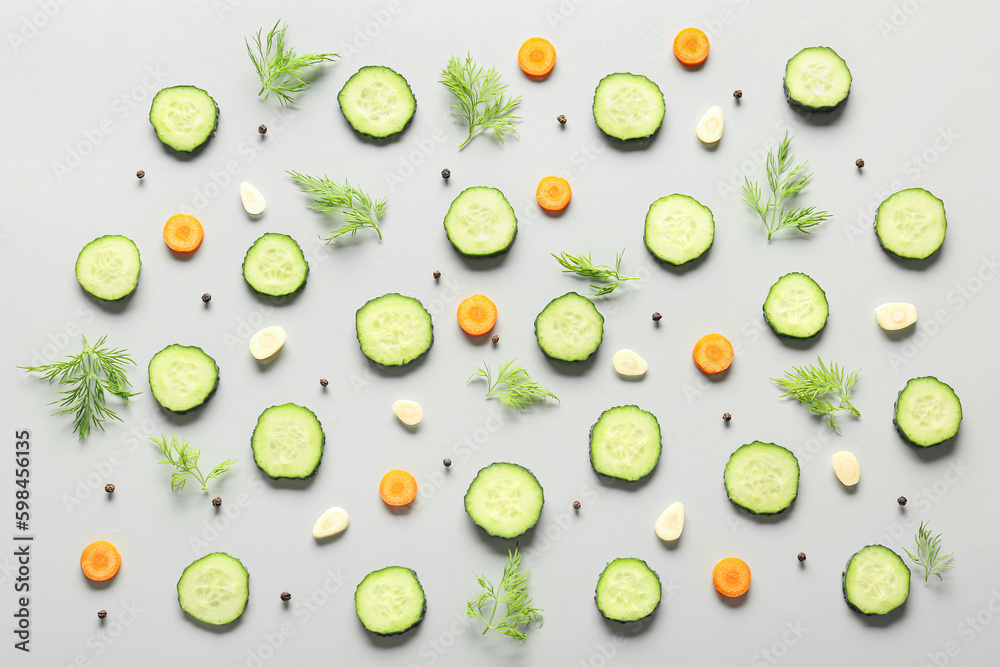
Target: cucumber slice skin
367,341
922,387
363,591
499,242
386,77
791,331
555,347
300,469
206,105
219,560
617,468
828,103
933,208
182,404
781,458
126,251
640,569
529,515
661,248
889,559
278,242
653,102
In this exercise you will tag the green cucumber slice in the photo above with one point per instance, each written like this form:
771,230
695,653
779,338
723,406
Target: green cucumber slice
288,442
625,443
184,117
627,590
569,328
182,377
911,224
481,222
504,499
678,229
628,106
377,102
394,330
817,79
275,266
796,306
928,412
108,267
214,589
390,601
876,581
762,478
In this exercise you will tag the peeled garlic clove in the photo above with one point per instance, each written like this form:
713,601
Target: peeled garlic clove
671,523
409,412
847,468
709,128
331,522
253,200
629,364
266,342
895,316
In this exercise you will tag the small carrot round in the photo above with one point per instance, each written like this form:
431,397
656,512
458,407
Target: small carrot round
183,233
553,193
398,488
691,46
536,56
713,353
477,315
100,560
731,577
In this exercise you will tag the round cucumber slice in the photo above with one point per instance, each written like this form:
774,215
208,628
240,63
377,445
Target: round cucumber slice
481,222
390,601
796,306
214,589
817,79
504,499
108,267
569,328
928,412
184,117
182,377
625,443
876,581
627,590
394,330
288,442
377,102
911,224
628,106
762,478
679,229
275,266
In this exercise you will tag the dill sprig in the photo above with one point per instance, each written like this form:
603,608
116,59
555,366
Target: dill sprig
356,208
519,390
583,265
785,181
280,69
88,378
929,553
480,98
811,385
180,454
512,593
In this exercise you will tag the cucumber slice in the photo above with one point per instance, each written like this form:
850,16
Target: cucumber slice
214,589
628,106
182,377
275,266
678,229
876,581
569,328
390,601
481,222
288,442
377,102
625,443
911,224
928,412
108,267
394,330
817,79
796,306
504,499
184,117
762,477
628,590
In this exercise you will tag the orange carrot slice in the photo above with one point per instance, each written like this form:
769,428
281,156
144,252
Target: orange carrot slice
100,560
713,353
477,315
553,193
398,488
731,577
183,233
536,56
691,46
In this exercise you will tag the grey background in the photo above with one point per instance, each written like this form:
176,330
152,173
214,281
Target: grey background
79,78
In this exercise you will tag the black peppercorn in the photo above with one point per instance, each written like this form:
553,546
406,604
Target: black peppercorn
217,502
140,173
447,463
437,274
495,339
901,500
726,416
102,614
323,382
561,118
446,173
262,129
576,504
802,556
737,94
657,317
859,162
286,596
206,297
110,488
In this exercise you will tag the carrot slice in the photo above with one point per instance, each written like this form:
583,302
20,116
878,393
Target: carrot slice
553,193
477,315
713,353
536,56
100,560
731,577
691,46
398,488
183,233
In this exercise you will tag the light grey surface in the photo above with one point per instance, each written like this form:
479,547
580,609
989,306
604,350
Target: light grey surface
921,113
